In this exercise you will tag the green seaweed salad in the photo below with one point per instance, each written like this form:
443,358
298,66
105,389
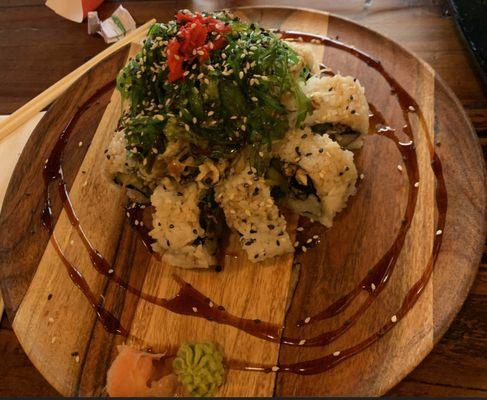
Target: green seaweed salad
214,82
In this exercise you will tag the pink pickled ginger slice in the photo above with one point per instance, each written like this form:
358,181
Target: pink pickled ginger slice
135,373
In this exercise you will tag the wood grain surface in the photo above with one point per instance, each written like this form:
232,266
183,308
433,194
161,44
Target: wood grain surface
422,385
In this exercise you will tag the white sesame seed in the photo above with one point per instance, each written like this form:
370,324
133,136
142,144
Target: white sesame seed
243,127
76,359
253,98
53,340
186,126
304,249
301,342
399,168
416,184
261,154
411,108
296,244
307,319
362,176
233,117
211,304
110,271
300,228
372,286
195,309
309,241
336,353
439,232
315,237
394,319
210,113
241,74
275,368
136,222
80,144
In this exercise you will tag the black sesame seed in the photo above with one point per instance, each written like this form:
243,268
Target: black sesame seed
278,243
304,136
179,194
257,321
74,354
195,231
271,227
256,256
221,308
296,149
280,233
171,226
253,231
353,111
321,150
168,243
256,191
308,154
49,296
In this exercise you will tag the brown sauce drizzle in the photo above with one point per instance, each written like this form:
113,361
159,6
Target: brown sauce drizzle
189,301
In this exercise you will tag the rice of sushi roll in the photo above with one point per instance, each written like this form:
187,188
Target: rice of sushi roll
249,209
121,169
305,52
340,109
315,175
183,226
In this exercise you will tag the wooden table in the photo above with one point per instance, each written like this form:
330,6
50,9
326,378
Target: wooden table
37,48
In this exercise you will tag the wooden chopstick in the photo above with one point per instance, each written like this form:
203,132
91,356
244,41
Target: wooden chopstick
38,103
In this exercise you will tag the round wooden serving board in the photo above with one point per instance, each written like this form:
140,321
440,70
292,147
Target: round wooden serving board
60,333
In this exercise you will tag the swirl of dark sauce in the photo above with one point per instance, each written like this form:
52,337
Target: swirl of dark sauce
188,299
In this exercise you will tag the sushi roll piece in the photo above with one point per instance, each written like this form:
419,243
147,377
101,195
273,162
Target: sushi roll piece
306,54
340,109
313,174
121,169
249,209
185,221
